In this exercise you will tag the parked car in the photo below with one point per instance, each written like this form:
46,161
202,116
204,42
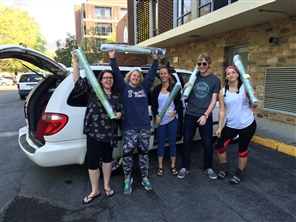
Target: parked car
54,113
5,81
13,78
27,82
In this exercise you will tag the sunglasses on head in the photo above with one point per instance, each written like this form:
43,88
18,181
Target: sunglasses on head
202,63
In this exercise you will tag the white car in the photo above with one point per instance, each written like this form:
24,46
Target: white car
54,113
5,81
27,82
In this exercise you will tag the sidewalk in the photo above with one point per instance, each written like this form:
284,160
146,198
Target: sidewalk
275,135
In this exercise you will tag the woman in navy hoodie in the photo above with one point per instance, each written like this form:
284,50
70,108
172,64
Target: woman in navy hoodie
134,91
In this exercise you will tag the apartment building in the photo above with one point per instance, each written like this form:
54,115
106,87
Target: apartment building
103,15
262,32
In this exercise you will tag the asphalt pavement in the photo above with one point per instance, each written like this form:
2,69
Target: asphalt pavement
32,193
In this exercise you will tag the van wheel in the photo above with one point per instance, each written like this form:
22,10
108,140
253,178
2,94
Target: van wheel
116,166
22,97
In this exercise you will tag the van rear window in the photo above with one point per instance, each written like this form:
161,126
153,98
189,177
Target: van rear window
30,78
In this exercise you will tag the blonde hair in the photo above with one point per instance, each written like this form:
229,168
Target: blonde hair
128,76
206,57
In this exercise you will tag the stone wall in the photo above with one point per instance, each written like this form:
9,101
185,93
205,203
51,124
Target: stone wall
262,54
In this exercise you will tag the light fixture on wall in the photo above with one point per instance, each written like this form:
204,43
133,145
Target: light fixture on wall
264,10
274,40
194,36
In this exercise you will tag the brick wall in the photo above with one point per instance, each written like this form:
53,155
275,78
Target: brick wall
77,12
262,54
122,23
129,59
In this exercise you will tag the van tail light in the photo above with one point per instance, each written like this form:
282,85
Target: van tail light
25,110
18,86
53,123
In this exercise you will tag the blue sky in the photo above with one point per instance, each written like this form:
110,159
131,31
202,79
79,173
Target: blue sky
56,17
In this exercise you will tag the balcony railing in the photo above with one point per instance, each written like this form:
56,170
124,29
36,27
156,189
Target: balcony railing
99,17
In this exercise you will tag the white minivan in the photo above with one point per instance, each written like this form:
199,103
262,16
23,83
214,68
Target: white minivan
54,113
27,82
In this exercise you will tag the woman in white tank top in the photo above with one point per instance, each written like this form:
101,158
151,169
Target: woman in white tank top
237,110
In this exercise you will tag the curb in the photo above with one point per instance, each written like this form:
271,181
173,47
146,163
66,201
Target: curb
275,145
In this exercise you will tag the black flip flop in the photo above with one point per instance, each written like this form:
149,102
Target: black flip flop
160,172
92,198
174,171
110,195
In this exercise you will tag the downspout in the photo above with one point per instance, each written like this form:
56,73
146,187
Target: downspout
135,22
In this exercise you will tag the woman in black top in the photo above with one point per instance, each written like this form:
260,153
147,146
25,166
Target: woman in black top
101,131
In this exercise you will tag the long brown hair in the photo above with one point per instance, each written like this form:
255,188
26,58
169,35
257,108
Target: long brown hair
238,79
169,72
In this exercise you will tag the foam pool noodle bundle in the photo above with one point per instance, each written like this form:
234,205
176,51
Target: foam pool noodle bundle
192,79
172,96
245,79
95,84
160,52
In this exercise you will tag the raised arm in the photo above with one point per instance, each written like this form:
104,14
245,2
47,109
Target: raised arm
117,74
76,71
148,81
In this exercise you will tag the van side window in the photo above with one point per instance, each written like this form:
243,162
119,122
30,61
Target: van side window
183,78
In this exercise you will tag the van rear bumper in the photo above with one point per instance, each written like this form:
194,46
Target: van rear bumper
24,92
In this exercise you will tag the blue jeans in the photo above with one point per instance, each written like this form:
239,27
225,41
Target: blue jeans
169,129
206,134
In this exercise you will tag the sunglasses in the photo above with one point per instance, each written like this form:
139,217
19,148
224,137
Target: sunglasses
202,63
107,77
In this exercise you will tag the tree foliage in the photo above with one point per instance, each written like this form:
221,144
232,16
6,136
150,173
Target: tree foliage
17,27
90,45
64,48
111,38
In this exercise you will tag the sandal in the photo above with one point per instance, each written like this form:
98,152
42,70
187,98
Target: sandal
108,192
160,172
90,199
174,171
221,175
234,180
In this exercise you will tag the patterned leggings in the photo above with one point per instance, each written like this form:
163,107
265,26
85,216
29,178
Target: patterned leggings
131,138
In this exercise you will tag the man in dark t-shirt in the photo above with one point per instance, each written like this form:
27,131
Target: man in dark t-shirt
201,102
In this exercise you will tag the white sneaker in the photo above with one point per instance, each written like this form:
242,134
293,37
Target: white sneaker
211,173
182,173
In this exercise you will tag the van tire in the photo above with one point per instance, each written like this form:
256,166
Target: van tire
22,97
116,166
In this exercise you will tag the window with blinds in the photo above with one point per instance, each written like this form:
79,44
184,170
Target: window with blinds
280,90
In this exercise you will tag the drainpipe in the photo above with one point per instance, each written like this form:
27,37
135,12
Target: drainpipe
135,22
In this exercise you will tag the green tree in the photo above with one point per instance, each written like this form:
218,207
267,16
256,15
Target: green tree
64,48
90,45
111,38
17,27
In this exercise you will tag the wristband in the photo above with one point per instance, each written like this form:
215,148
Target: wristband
206,115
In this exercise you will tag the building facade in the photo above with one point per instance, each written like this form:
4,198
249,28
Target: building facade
262,32
102,15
